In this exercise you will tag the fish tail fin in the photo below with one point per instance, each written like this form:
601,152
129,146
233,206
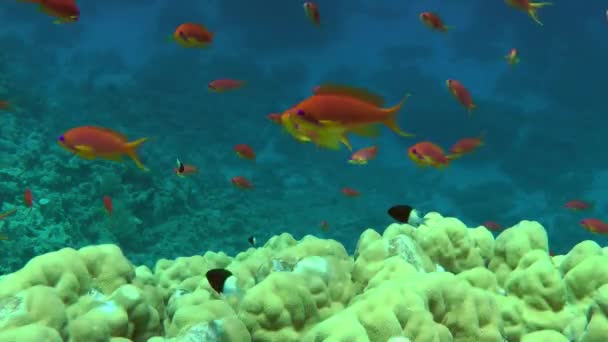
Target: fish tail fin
532,11
471,108
132,152
391,121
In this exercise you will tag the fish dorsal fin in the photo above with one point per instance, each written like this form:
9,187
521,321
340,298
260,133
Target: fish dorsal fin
357,93
114,133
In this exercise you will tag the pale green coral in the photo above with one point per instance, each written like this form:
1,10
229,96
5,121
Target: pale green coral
440,282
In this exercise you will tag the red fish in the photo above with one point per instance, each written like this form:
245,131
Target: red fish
225,85
350,192
426,153
433,21
274,117
578,205
491,225
4,105
28,198
324,226
513,57
191,35
529,7
465,146
90,142
595,225
244,151
66,11
241,182
312,12
7,213
362,156
183,170
107,203
354,109
461,94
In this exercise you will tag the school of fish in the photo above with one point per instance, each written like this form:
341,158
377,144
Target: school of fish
326,118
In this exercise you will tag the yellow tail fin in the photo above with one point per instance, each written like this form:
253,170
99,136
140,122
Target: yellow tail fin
532,11
132,152
391,122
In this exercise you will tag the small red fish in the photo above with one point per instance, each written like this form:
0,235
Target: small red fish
66,11
461,94
324,226
4,105
225,85
362,156
244,151
275,117
465,146
107,203
241,182
350,192
28,198
183,170
7,213
578,205
312,12
595,225
426,153
432,21
529,7
191,35
513,57
491,225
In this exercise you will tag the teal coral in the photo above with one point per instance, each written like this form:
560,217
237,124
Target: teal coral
442,281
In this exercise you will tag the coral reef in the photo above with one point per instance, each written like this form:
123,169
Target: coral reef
441,281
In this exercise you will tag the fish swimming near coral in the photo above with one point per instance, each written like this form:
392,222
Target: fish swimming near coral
426,153
217,278
347,109
91,142
404,213
182,170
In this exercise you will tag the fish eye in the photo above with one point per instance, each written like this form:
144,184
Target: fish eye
61,138
300,112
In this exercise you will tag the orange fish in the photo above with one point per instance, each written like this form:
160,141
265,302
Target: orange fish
355,109
326,135
241,182
465,146
461,94
4,105
578,205
312,12
595,225
274,117
529,7
324,226
244,151
362,156
107,203
513,57
28,198
183,170
90,142
426,154
432,21
222,85
7,213
491,225
66,11
350,192
190,35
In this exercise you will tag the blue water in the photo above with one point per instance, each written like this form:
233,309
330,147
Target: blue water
544,120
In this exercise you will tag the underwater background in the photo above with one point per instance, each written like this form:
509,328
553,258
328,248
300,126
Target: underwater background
543,121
